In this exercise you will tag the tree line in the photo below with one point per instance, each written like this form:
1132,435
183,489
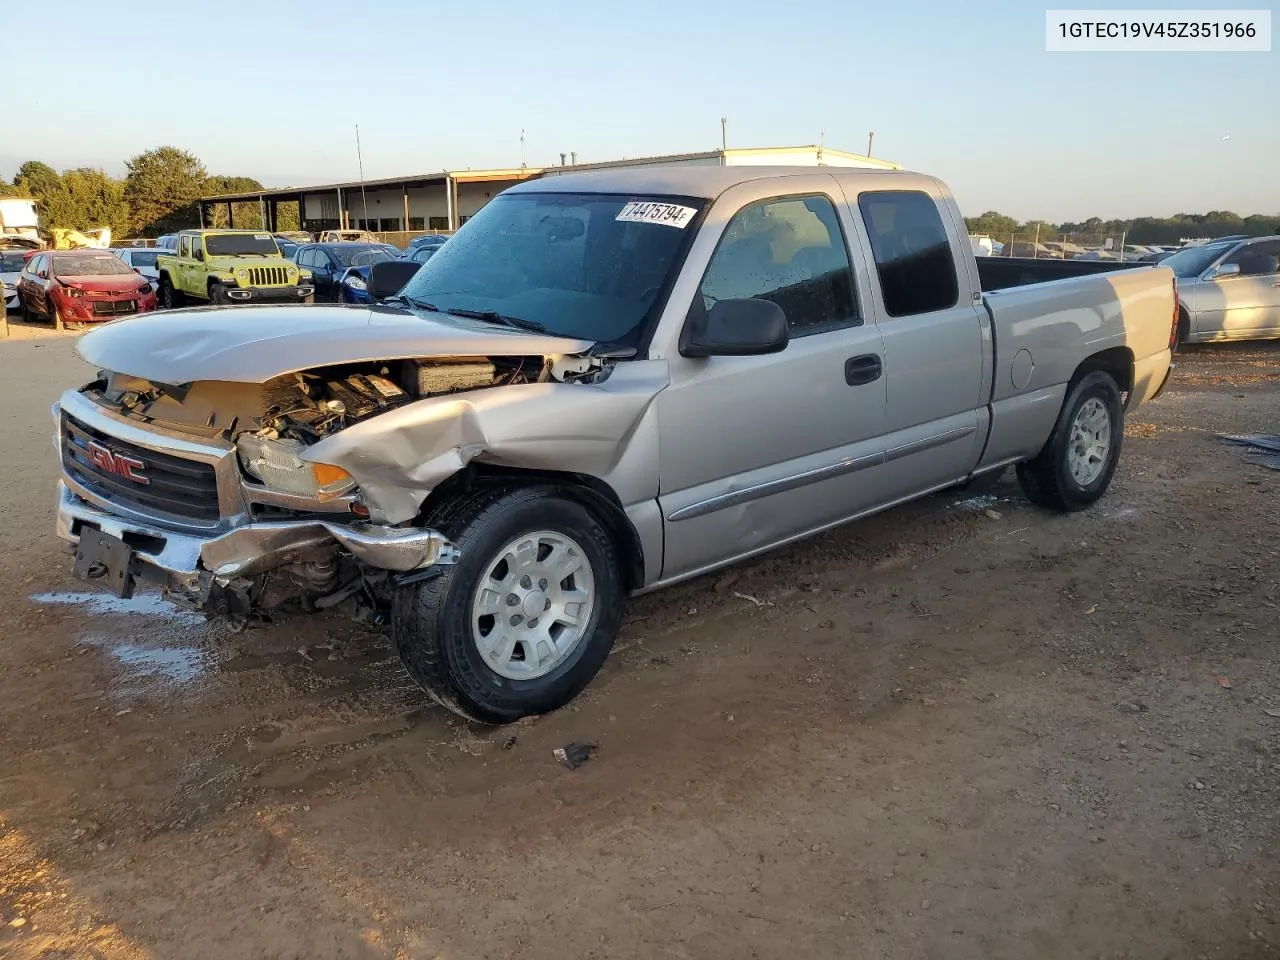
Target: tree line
1142,230
157,195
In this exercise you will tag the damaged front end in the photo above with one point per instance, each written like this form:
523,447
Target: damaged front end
304,489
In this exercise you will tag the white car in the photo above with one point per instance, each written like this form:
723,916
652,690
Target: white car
143,261
11,264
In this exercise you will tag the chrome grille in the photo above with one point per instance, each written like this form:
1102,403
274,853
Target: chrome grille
173,485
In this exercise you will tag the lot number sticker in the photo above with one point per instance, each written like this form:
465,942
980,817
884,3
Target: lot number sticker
667,214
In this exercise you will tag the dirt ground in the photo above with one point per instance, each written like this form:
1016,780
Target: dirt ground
958,730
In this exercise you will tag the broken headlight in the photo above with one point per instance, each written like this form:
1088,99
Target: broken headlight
278,464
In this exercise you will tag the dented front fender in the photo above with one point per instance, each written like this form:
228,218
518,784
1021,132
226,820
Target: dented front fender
600,430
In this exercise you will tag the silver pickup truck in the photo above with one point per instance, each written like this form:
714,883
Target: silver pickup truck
603,384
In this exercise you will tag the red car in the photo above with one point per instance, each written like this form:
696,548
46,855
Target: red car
81,286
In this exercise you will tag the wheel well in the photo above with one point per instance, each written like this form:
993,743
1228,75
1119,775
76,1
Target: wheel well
592,493
1117,361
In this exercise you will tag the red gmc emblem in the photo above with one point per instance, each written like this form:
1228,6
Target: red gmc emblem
108,460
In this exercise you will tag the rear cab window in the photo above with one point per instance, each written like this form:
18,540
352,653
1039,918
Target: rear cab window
914,262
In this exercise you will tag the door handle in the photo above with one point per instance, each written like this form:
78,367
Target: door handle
863,369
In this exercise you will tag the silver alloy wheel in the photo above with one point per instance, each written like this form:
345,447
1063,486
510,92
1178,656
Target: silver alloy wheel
1090,442
531,607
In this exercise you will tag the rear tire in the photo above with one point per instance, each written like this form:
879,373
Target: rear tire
498,667
1184,329
1077,463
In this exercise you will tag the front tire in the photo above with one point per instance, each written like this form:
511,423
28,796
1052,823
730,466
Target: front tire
1076,465
218,295
526,617
170,298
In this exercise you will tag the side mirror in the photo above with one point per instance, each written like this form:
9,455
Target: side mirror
1224,270
138,271
198,254
735,328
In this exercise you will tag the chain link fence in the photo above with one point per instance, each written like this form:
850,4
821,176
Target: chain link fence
1062,246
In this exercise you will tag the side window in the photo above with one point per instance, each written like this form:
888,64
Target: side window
913,258
41,267
304,257
790,251
196,243
184,247
1257,259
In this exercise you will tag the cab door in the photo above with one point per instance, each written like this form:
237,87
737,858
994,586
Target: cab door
757,450
936,341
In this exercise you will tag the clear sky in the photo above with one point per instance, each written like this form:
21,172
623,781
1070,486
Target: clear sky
964,91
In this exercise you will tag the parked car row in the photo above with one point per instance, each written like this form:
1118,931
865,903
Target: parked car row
214,266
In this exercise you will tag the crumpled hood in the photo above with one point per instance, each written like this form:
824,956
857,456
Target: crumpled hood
253,344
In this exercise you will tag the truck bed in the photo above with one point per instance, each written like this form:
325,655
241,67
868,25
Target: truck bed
1040,327
1001,273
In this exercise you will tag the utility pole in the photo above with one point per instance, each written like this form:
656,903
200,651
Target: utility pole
364,197
724,134
870,140
522,158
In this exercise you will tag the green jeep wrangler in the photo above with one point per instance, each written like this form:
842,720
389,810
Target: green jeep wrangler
230,266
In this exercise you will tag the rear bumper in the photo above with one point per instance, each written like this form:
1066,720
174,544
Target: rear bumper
270,294
186,563
1150,377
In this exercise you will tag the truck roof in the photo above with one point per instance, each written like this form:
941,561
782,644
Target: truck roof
703,182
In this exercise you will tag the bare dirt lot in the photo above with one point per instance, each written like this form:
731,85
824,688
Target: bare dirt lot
957,730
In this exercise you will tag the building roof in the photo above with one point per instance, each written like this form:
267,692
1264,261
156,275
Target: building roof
679,181
461,176
761,154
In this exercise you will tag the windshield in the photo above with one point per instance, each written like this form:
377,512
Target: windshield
89,265
144,258
240,244
583,265
362,256
12,262
1194,261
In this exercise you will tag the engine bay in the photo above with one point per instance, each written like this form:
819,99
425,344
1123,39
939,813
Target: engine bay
312,404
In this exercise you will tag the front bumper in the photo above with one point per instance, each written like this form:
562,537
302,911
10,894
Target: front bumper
185,562
295,294
80,309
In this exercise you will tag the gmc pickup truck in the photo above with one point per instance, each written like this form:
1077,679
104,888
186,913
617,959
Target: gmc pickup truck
603,384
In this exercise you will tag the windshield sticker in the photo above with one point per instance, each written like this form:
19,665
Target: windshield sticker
262,236
667,214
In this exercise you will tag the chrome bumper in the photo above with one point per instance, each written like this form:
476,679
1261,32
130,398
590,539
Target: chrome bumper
179,558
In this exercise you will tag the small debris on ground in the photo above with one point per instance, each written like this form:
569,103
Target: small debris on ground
510,742
727,581
992,514
1224,683
574,755
1131,706
1272,713
758,603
